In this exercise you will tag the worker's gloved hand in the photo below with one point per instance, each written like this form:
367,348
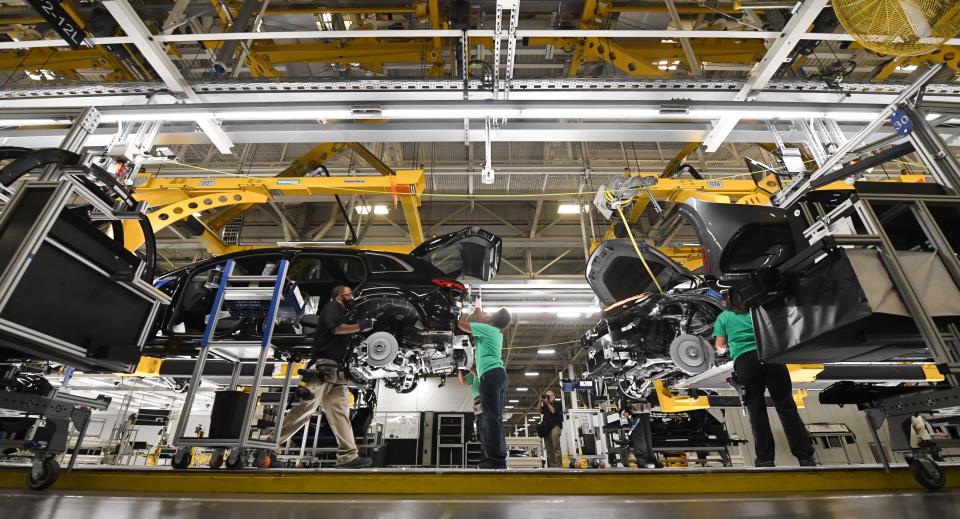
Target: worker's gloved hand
367,324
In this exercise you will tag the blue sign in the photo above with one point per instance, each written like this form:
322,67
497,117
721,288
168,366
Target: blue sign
901,122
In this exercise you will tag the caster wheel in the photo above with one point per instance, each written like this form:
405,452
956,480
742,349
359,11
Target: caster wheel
236,460
216,458
43,474
265,459
181,459
928,473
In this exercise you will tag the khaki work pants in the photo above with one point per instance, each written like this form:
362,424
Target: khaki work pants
335,399
552,443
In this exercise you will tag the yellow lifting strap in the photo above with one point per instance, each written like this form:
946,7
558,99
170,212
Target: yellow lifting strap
612,200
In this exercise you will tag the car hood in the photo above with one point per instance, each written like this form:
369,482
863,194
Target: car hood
615,272
471,251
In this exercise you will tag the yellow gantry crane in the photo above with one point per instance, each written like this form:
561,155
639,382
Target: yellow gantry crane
172,200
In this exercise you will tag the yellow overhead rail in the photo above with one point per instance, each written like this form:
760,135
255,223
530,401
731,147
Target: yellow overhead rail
173,200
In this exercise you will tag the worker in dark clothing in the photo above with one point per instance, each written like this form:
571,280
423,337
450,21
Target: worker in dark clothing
733,330
487,331
551,426
329,386
637,413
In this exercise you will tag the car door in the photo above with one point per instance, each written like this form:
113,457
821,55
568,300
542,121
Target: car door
739,239
471,251
615,272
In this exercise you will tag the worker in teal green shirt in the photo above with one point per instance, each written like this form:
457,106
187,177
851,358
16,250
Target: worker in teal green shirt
733,330
470,378
487,332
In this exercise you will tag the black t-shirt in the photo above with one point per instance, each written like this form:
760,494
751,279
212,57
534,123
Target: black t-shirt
328,345
555,418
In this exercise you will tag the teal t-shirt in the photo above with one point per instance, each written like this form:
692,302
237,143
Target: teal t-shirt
738,329
474,384
488,341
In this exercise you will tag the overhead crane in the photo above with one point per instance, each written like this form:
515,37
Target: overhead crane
172,200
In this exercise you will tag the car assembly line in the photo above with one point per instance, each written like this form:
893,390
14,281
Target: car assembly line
479,258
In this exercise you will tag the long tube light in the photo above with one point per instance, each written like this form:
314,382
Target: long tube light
479,112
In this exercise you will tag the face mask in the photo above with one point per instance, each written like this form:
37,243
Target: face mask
347,303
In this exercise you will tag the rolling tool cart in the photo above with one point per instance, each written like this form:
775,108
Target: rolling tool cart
233,410
55,255
44,425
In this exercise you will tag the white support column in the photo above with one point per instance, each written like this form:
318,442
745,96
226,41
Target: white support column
768,66
134,28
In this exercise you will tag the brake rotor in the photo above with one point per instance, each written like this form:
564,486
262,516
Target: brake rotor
382,348
692,354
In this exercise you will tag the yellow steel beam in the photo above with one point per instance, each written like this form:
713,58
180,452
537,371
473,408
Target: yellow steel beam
370,53
371,159
178,198
678,404
678,160
804,372
689,257
170,214
304,164
833,479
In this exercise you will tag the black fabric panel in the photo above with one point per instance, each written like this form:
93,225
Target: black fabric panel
825,316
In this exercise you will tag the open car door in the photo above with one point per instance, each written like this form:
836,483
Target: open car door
739,239
615,272
471,251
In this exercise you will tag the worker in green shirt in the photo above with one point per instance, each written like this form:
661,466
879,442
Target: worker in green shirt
470,378
733,330
487,332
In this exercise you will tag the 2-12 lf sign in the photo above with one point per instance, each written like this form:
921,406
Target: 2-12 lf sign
61,21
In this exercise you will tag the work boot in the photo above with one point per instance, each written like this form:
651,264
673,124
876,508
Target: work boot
808,462
765,464
355,463
488,465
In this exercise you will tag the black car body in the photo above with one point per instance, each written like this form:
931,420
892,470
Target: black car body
644,334
415,300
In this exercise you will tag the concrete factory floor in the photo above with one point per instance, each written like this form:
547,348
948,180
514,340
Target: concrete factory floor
849,505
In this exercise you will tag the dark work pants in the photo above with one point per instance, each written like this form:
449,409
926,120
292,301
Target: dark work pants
478,430
756,378
493,392
641,439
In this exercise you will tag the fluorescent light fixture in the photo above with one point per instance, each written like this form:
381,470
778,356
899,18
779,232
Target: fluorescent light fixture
546,351
572,208
553,309
568,315
521,389
156,115
508,407
513,401
32,122
532,374
375,209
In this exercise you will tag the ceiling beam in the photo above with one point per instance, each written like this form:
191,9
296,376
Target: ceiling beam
781,48
156,56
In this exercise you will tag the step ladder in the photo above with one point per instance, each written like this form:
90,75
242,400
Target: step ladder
238,288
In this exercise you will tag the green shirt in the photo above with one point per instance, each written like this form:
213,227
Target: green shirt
738,329
488,341
474,384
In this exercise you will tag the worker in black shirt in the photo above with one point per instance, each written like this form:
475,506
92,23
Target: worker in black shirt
551,425
329,386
